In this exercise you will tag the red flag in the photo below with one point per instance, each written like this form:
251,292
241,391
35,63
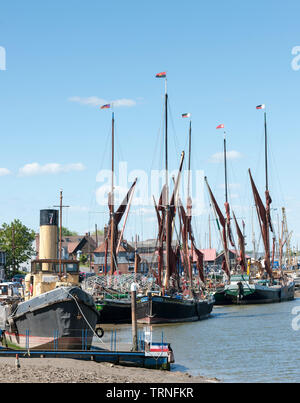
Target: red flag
220,126
161,75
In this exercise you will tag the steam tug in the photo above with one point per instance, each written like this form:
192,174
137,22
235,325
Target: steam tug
56,312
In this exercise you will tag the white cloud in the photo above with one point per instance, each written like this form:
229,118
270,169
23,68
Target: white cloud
230,155
51,168
96,101
4,171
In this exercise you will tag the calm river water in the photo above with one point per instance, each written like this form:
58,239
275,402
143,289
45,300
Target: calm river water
254,343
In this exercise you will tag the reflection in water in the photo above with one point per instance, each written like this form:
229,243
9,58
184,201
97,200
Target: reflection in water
253,343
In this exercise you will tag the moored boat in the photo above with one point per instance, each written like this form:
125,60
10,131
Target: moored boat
114,309
242,290
56,313
154,309
63,318
182,298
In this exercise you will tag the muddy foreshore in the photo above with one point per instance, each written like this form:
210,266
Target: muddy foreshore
66,370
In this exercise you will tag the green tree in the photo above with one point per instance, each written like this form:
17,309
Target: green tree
83,259
99,232
17,241
66,232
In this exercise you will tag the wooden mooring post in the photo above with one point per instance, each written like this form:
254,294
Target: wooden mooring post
133,317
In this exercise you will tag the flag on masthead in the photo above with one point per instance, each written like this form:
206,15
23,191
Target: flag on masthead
106,106
161,75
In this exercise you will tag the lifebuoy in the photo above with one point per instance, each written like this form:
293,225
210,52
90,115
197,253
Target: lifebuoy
99,332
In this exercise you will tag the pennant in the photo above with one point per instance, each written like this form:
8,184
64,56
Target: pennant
161,75
261,106
220,126
106,106
186,115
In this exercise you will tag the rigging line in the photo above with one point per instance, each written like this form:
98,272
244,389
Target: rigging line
175,137
101,163
240,207
260,153
118,147
156,147
87,322
160,137
273,162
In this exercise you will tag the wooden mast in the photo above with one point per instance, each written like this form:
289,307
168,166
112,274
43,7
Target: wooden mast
266,150
167,205
268,224
112,213
189,212
60,230
226,252
189,167
136,262
225,169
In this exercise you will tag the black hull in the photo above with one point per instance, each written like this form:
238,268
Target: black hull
265,295
114,311
156,310
221,298
54,320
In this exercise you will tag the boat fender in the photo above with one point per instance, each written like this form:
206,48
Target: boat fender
99,332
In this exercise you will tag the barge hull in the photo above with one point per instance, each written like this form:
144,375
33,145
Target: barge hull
54,319
114,312
265,295
157,310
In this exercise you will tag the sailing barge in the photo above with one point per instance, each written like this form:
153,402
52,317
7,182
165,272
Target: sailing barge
175,304
155,309
56,311
114,308
242,289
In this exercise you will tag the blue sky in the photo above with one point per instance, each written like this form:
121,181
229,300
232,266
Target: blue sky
222,59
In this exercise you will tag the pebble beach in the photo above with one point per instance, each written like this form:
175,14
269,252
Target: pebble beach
65,370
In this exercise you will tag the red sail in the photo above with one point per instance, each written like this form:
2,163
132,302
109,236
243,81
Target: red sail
121,210
188,232
117,218
242,257
184,231
200,263
163,199
169,221
263,221
172,201
227,209
160,219
223,223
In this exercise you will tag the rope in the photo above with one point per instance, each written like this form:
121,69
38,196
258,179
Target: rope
95,334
